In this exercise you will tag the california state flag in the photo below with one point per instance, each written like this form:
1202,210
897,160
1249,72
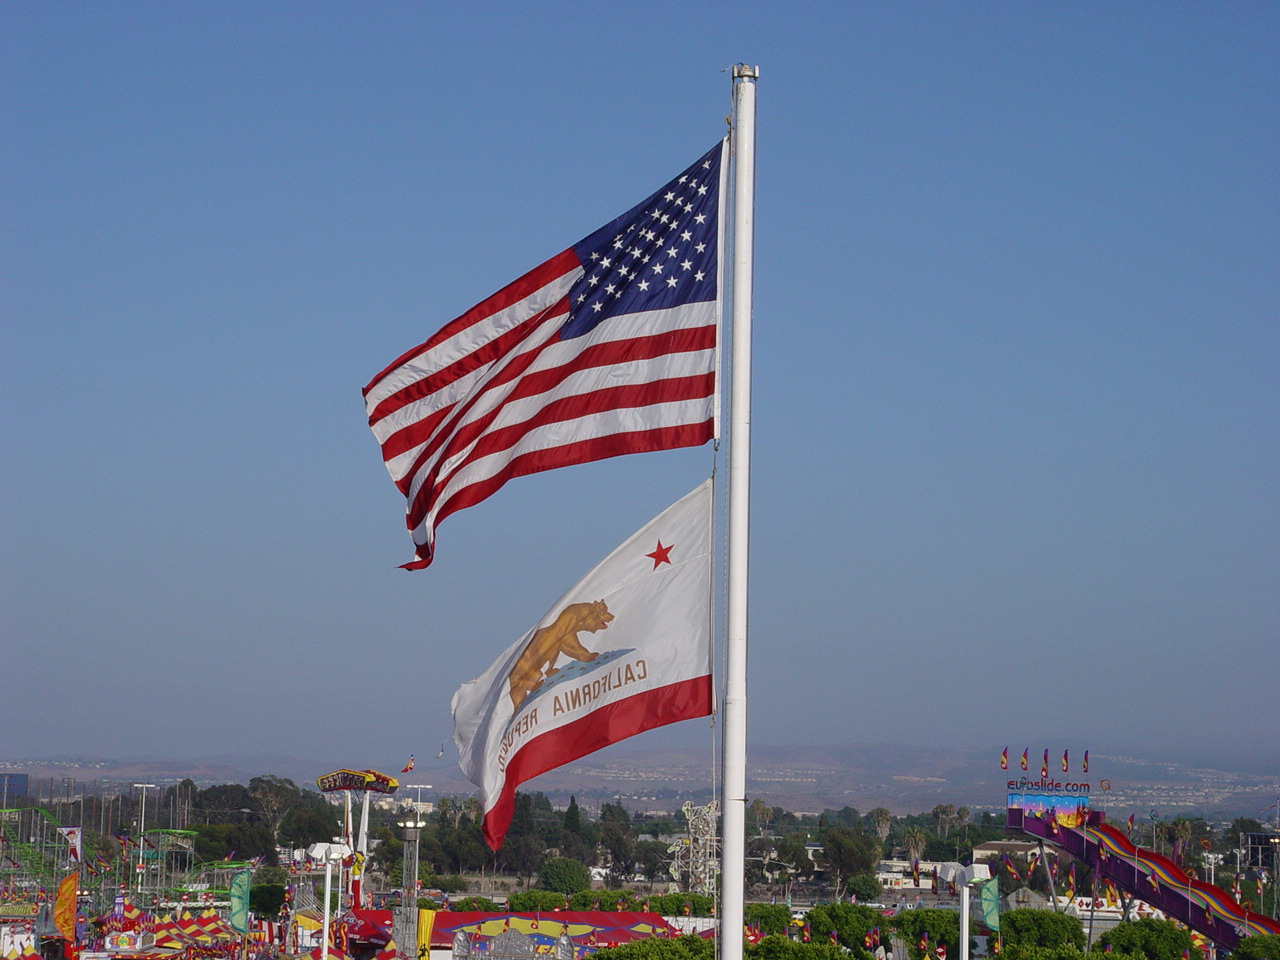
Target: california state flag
627,649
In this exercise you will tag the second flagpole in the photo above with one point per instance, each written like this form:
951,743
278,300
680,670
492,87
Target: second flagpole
734,801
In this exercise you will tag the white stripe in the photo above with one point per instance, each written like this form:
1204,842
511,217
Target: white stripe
550,436
621,329
625,327
453,393
579,383
467,341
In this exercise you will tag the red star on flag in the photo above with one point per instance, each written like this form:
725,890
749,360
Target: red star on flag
661,555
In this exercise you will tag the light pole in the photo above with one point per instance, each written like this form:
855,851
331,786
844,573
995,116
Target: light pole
142,830
1211,860
417,808
410,832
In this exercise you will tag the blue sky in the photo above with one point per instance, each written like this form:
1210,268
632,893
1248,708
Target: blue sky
1015,397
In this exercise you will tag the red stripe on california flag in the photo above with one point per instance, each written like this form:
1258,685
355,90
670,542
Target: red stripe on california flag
604,726
487,443
508,296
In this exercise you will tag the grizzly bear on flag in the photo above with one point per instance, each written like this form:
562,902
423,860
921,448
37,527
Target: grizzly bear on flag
538,660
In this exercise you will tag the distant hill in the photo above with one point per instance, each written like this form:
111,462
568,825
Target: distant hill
802,778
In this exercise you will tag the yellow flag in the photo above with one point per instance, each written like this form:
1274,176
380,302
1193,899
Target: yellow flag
426,920
64,907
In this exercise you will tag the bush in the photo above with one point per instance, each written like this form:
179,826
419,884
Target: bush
850,923
483,904
562,875
768,918
535,901
943,926
607,900
780,948
1040,928
1265,946
657,948
1154,939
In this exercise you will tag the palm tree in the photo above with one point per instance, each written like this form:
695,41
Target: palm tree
916,840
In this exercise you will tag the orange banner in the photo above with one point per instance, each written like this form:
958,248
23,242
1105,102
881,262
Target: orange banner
64,907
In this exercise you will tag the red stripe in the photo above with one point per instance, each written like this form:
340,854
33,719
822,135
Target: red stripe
511,294
457,436
607,725
597,355
582,451
565,409
483,355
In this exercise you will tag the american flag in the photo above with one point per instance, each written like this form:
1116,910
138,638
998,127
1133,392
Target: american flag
607,348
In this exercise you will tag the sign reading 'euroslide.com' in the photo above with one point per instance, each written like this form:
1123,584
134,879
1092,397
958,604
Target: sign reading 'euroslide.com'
1065,800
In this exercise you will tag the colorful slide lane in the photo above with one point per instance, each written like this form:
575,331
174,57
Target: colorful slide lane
1148,876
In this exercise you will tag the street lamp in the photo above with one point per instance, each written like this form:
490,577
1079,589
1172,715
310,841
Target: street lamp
410,832
142,830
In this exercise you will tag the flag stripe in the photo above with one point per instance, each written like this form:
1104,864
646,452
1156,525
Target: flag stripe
489,319
537,371
685,700
487,439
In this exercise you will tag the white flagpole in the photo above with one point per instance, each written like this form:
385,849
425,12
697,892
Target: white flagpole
734,802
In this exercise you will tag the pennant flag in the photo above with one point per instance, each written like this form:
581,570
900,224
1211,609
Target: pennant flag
1024,758
923,945
1044,765
1009,865
408,766
1131,823
607,348
627,649
1071,882
915,872
72,835
1032,863
238,894
1084,766
64,907
989,899
1064,761
1004,759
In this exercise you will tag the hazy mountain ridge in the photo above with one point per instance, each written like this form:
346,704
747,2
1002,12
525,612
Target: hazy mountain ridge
809,778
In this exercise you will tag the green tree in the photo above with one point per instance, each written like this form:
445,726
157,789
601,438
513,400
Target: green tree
265,899
943,926
865,887
535,901
1258,947
915,839
618,838
274,797
656,948
768,918
563,875
1154,939
844,854
651,860
781,948
1040,928
849,922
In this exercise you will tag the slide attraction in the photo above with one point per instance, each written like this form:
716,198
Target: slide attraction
1146,875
